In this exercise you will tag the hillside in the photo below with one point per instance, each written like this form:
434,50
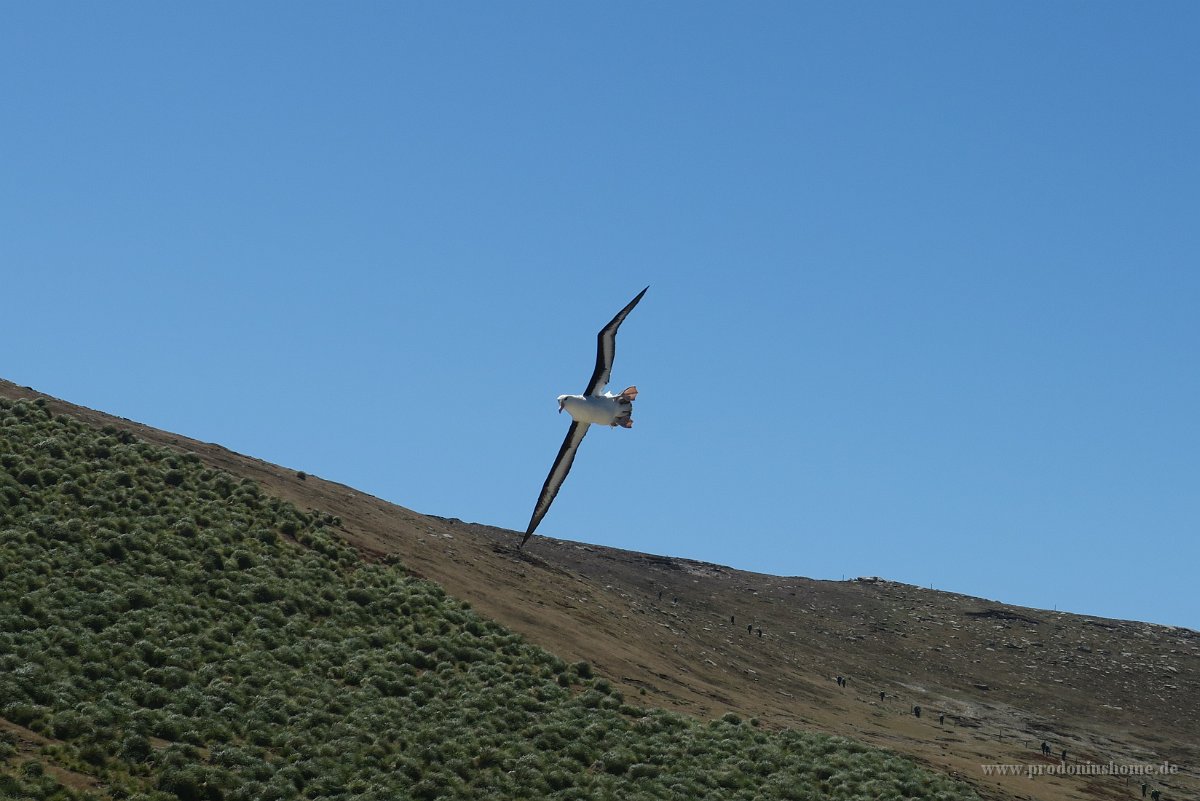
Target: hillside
1005,678
170,631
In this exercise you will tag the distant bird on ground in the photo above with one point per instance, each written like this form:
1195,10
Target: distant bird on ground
593,406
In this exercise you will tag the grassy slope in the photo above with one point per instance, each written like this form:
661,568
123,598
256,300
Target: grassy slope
169,631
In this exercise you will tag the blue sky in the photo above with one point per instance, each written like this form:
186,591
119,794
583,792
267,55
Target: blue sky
923,277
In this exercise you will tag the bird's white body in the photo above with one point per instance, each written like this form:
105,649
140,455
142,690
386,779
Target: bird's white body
599,409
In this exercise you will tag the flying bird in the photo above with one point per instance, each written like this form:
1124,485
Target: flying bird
593,406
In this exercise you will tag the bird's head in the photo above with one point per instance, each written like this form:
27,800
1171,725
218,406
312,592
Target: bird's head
561,400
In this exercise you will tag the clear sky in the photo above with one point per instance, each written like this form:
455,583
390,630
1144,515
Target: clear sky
924,277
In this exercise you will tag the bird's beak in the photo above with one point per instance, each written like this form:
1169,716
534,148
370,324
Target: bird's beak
560,407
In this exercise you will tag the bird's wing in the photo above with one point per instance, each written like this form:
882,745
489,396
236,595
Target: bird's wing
558,474
606,348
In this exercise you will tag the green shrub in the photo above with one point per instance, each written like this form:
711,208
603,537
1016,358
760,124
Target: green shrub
135,748
22,714
67,725
94,754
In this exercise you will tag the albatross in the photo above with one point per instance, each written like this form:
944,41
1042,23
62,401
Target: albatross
594,406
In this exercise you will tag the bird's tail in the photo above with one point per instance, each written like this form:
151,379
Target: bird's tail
625,404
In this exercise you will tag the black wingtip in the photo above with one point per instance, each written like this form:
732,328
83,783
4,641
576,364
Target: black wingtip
638,299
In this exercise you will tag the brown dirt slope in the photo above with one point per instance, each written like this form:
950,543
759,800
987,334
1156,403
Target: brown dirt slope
673,632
